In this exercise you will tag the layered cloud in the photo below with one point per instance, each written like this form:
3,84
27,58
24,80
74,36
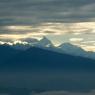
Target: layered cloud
65,93
76,40
76,28
36,11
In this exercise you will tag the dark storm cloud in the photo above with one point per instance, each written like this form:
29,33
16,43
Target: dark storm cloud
37,11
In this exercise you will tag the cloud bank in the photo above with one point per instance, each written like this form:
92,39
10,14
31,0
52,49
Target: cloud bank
23,12
65,93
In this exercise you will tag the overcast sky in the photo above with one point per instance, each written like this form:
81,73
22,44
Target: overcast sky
37,11
60,20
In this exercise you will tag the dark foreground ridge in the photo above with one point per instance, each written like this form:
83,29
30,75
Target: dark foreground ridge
37,58
36,69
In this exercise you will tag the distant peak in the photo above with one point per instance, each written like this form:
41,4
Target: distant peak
69,47
66,45
45,42
45,38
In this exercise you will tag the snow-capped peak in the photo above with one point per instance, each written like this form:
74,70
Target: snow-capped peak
71,49
45,42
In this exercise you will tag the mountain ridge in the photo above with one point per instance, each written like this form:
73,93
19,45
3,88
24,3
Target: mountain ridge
45,43
38,59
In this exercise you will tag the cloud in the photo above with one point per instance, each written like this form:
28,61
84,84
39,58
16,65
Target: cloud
88,42
65,93
88,8
76,39
83,27
87,47
14,12
46,29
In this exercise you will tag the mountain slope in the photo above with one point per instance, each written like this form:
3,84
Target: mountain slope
38,59
72,49
44,42
31,42
75,50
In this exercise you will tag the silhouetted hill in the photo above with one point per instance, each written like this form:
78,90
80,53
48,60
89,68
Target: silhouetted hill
38,59
7,52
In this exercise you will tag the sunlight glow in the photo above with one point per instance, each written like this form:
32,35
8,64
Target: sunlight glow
19,27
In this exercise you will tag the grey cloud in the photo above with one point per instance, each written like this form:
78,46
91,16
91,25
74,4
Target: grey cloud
36,11
38,28
65,93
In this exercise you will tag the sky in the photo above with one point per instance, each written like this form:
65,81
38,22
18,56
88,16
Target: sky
60,21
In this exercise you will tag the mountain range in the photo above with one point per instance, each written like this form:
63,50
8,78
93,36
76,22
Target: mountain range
36,58
44,68
45,43
74,50
43,54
